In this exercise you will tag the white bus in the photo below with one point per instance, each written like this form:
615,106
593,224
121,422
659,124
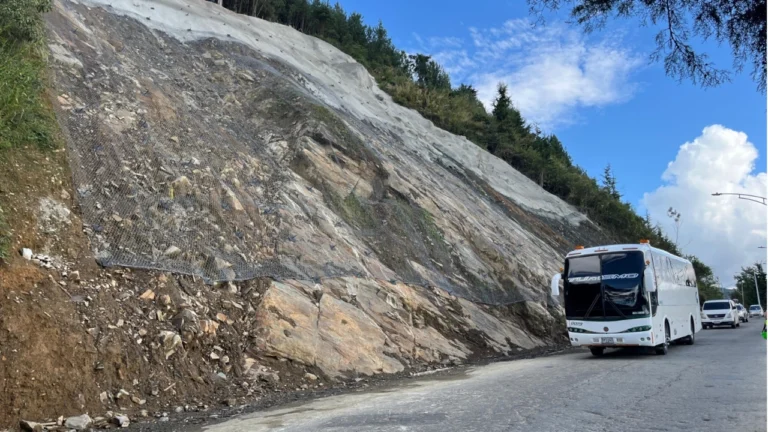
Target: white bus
628,295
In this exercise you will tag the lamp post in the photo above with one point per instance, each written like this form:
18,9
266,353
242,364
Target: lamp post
754,198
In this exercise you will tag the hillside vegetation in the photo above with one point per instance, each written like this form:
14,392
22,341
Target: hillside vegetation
25,116
418,82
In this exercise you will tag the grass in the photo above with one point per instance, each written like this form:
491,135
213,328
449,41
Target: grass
26,116
357,212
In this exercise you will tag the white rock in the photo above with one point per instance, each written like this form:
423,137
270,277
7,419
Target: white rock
81,422
121,420
26,253
172,251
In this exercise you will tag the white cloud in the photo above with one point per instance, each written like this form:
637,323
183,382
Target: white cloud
550,71
724,231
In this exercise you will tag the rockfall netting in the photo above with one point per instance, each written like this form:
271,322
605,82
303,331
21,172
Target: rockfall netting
208,160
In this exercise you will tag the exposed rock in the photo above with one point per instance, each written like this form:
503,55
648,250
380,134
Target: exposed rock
221,264
121,421
269,377
319,336
245,76
31,426
171,342
26,253
186,321
147,295
81,422
172,251
181,186
52,215
232,201
310,376
209,327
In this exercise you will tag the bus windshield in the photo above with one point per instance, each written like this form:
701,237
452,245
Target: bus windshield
607,286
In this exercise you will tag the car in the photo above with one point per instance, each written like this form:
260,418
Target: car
755,311
742,311
720,313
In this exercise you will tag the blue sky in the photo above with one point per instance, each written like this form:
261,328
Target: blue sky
607,102
638,136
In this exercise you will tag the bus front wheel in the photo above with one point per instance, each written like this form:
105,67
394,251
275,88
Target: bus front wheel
597,351
664,348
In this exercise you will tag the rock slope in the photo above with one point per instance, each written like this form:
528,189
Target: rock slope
345,236
227,147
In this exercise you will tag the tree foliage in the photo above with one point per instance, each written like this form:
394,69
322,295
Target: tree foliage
418,82
709,288
739,23
610,184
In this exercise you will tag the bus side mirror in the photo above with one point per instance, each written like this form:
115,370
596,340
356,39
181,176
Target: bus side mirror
650,282
555,285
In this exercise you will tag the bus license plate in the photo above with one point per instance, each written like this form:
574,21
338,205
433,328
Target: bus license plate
606,340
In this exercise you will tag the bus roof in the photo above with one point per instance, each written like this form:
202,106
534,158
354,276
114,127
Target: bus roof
622,248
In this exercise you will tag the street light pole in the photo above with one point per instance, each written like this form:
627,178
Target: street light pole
754,198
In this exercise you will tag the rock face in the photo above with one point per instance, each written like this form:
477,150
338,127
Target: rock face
233,148
383,329
221,146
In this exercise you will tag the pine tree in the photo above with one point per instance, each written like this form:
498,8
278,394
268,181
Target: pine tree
502,104
609,183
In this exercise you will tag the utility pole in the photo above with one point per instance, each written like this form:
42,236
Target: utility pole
754,275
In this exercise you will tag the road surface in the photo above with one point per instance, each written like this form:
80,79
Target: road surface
718,384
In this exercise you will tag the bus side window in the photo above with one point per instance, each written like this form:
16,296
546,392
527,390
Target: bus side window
690,275
658,264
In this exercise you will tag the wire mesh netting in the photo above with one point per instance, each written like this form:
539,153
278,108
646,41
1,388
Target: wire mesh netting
219,165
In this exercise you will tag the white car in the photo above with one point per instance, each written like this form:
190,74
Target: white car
743,314
720,313
755,311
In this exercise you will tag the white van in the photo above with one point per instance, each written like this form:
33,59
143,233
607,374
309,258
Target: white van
719,313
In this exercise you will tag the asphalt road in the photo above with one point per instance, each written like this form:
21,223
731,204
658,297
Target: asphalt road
718,384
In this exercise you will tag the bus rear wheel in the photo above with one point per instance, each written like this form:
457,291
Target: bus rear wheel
597,351
690,340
